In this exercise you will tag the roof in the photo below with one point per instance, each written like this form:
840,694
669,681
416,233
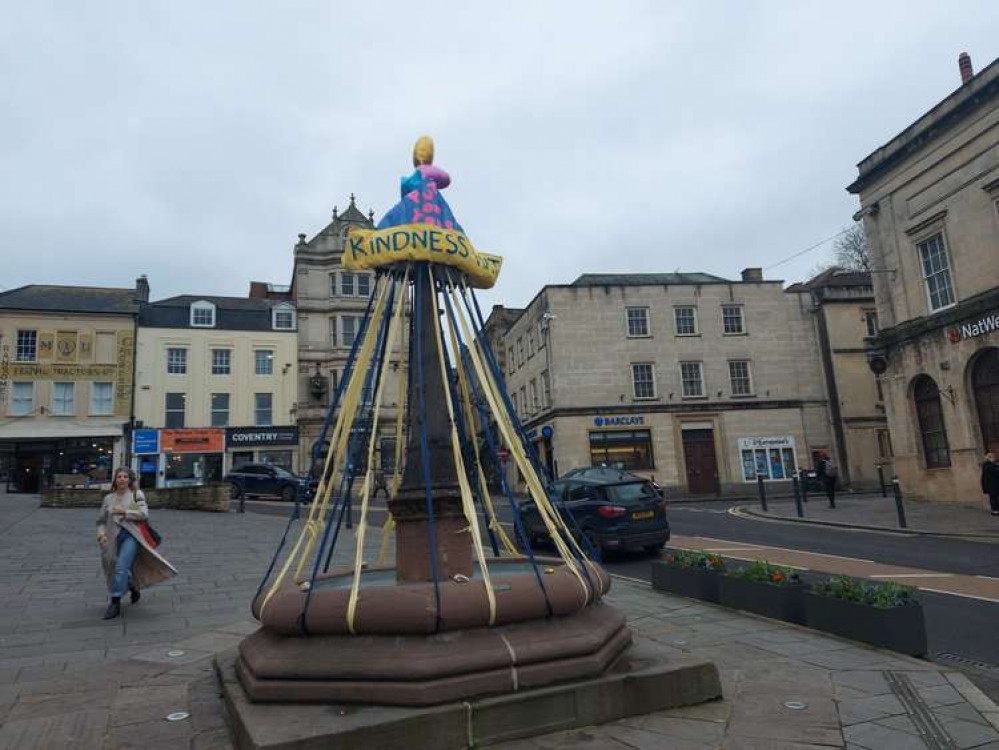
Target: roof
647,279
831,277
231,313
981,91
78,299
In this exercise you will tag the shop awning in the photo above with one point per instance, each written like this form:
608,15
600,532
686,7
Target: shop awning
56,429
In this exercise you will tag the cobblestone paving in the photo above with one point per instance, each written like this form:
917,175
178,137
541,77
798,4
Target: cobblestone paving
70,680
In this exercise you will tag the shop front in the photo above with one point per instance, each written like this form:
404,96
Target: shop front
773,458
190,457
48,459
264,445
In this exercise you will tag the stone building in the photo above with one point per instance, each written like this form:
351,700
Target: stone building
845,322
331,304
66,366
215,388
695,380
930,206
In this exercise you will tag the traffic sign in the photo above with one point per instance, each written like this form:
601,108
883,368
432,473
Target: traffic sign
503,453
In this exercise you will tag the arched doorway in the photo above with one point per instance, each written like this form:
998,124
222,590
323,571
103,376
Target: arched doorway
985,385
932,430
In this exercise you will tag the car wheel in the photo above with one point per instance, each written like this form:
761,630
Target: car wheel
236,492
654,549
593,542
288,493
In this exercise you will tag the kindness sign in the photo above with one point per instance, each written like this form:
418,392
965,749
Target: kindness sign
372,248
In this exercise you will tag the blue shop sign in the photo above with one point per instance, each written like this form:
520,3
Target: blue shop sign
147,467
623,421
547,431
145,442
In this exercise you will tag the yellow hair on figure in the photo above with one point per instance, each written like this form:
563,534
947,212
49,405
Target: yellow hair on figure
423,151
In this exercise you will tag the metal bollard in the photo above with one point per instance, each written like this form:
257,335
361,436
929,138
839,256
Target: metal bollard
797,496
763,492
242,502
881,481
803,477
897,491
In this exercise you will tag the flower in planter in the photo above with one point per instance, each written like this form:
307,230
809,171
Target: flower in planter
762,571
878,594
715,563
694,560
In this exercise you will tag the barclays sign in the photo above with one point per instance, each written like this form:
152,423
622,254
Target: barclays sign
625,421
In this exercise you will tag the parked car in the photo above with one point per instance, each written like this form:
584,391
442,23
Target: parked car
254,480
609,508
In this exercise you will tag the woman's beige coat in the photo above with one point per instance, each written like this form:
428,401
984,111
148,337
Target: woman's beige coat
149,567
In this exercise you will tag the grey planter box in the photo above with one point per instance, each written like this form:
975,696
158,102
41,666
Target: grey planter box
694,583
785,603
901,629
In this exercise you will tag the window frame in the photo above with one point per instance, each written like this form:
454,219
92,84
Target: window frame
167,411
646,321
268,358
641,443
212,410
202,306
676,320
872,331
356,321
650,381
932,442
110,399
257,409
284,309
683,380
742,319
11,410
343,284
18,346
366,279
182,362
751,389
937,235
70,411
216,365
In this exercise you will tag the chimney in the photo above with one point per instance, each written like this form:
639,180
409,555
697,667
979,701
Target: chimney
964,64
752,274
142,289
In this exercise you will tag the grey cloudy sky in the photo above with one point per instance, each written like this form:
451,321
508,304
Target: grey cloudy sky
193,141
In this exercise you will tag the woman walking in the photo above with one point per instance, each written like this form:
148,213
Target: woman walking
990,481
130,561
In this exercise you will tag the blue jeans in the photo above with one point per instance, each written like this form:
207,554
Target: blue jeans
128,548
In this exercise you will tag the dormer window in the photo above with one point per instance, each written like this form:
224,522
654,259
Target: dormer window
283,318
202,315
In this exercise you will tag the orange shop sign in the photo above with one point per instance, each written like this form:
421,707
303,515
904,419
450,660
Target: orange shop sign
192,441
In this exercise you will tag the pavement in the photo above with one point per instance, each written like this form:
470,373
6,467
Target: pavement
874,512
70,680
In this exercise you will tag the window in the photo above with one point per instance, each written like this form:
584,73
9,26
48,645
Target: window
732,319
523,402
929,412
985,384
333,336
535,404
363,285
511,361
221,362
530,343
176,361
691,379
686,321
520,352
23,399
349,328
63,399
871,322
638,321
263,362
332,285
101,399
283,318
542,329
546,390
176,404
347,284
738,373
643,380
775,463
220,410
628,449
26,349
885,451
203,315
263,409
936,273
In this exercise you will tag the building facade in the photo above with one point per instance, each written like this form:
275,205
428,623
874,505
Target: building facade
930,206
845,322
697,381
66,368
331,304
215,388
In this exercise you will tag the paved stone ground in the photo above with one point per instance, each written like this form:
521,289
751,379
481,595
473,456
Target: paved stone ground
70,680
876,511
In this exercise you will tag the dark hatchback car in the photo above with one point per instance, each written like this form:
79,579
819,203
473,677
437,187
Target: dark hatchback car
611,509
264,479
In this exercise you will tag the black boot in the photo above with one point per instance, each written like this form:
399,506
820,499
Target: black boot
114,608
134,595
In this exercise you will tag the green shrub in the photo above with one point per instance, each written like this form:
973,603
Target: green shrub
762,571
694,560
879,594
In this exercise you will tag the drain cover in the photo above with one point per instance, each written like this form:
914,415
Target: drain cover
795,705
178,716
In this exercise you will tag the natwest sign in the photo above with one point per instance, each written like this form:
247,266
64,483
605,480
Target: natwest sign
980,327
252,437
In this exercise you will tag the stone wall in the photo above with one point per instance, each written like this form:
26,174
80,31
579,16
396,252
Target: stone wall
213,498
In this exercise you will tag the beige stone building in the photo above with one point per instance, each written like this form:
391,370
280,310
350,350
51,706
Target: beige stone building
695,380
66,365
845,321
215,388
930,206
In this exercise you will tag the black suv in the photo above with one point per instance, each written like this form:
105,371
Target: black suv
265,479
610,508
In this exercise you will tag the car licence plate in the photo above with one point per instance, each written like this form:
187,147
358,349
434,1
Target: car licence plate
643,514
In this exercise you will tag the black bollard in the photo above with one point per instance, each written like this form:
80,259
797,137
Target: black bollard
242,502
881,481
803,475
897,491
763,492
797,496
